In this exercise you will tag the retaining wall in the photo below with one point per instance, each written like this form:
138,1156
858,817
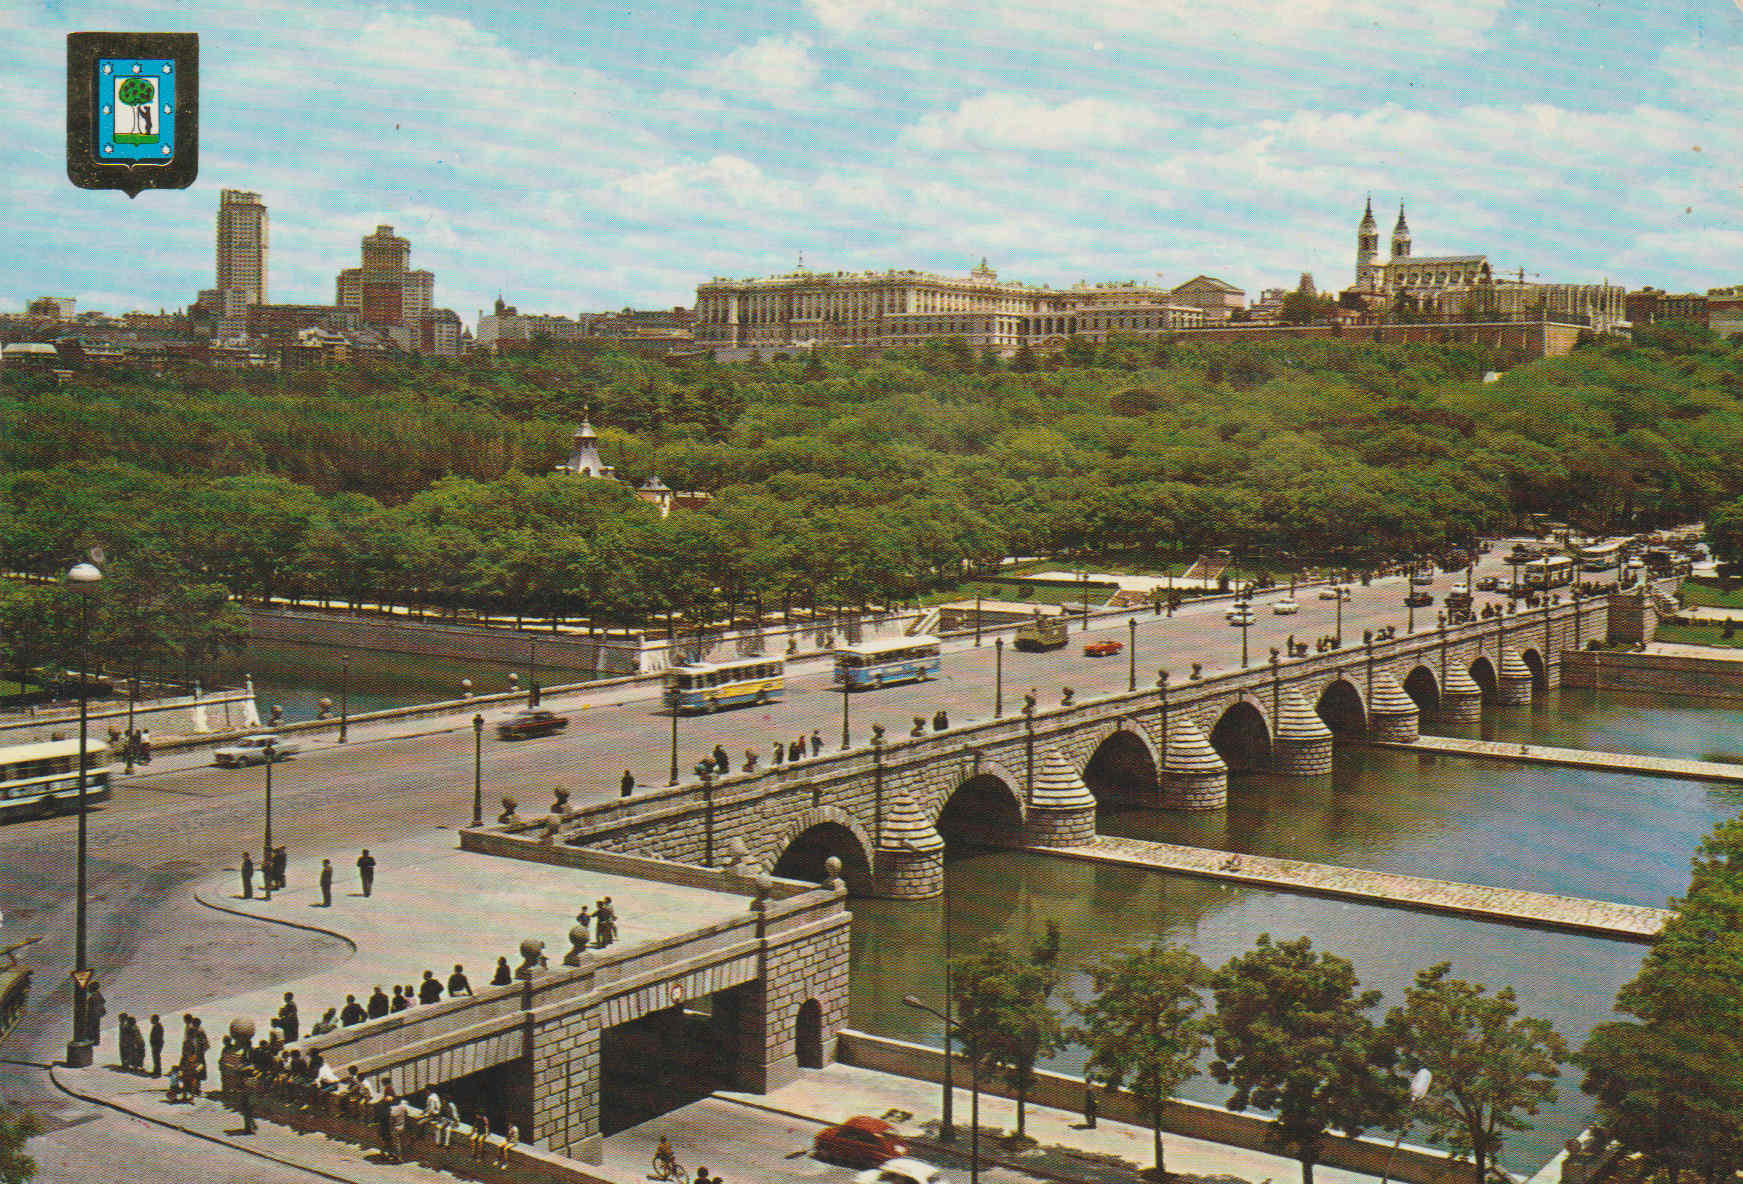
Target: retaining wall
224,711
1665,674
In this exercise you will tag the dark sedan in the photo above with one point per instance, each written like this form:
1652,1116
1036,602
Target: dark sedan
524,725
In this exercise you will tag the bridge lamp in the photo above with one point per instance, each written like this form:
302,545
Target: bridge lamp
82,580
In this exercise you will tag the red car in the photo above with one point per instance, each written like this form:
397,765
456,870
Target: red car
859,1141
1103,649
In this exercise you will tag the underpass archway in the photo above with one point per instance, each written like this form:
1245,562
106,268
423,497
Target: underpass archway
984,808
1122,769
1340,706
1483,674
1242,738
1424,690
805,856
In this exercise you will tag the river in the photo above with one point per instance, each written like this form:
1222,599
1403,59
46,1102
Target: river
1590,834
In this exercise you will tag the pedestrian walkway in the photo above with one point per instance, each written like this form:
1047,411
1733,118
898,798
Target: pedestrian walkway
1572,758
1516,906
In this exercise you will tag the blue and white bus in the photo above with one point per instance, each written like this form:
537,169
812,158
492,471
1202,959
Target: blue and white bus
878,663
43,778
711,686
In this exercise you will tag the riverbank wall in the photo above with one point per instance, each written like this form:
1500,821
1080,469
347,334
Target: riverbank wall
220,711
1651,673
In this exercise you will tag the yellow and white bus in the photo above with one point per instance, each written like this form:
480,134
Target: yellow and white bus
43,778
710,686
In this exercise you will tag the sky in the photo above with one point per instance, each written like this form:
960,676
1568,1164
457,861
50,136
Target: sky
585,156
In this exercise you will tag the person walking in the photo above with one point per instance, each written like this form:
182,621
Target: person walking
429,991
626,784
397,1114
1089,1107
816,743
379,1004
326,883
457,983
366,871
95,1008
584,923
244,1076
384,1119
247,876
288,1023
280,863
605,918
156,1047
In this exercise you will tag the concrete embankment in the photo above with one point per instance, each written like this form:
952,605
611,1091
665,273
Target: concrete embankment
1658,671
1571,758
1512,906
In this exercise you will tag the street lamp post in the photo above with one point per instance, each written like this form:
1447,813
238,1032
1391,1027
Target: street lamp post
1410,611
977,620
674,697
974,1086
998,677
946,1121
344,693
267,861
1246,620
1418,1090
1338,635
81,579
478,770
1131,653
846,685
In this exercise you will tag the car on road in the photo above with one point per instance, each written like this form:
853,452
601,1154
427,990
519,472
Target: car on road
523,725
1334,592
1285,607
1423,576
254,750
1239,615
860,1142
1419,599
901,1171
1488,583
1103,649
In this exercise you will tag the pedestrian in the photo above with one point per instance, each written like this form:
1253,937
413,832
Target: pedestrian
384,1100
457,984
124,1038
429,991
480,1134
281,862
816,742
288,1023
503,975
940,721
397,1114
721,763
585,924
1089,1107
796,749
156,1047
400,1001
95,1008
379,1004
605,916
626,784
244,1077
329,1020
750,760
366,870
780,754
353,1012
508,1140
247,876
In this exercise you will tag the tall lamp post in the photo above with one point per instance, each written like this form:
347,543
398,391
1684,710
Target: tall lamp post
82,579
846,686
344,691
974,1085
271,755
1131,653
998,677
1338,634
1410,611
478,770
946,1121
1418,1090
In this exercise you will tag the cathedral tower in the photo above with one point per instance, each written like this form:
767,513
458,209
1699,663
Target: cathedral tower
1400,236
1367,248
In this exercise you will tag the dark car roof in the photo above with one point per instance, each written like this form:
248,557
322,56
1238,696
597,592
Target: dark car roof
876,1126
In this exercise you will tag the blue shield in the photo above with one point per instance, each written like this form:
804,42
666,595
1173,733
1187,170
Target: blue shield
136,110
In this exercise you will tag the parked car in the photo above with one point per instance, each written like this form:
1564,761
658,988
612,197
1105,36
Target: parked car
1419,599
901,1171
1334,592
1285,607
1103,649
523,725
1422,575
859,1142
1239,616
1488,583
252,750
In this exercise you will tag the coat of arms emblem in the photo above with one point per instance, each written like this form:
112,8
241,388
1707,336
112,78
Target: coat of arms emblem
132,110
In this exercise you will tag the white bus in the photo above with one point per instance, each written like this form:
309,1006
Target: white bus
1602,556
1557,571
709,686
877,663
43,778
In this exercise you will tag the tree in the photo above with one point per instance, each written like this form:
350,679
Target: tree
1002,1000
1725,532
1491,1066
1292,1038
17,1126
137,93
1142,1026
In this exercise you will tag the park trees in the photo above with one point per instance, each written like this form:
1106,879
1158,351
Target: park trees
1003,1005
1143,1026
1492,1066
1292,1036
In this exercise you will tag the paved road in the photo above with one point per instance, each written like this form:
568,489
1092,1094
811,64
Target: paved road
178,820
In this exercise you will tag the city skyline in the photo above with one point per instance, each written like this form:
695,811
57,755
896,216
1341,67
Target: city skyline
642,155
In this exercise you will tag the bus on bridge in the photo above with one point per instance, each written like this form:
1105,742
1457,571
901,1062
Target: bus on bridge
711,686
878,663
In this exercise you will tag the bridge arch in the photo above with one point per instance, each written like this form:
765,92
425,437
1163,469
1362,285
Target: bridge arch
1424,689
1340,706
1123,764
810,839
988,803
1539,673
1242,737
1483,674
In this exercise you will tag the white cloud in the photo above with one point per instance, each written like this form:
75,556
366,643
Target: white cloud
777,70
1011,121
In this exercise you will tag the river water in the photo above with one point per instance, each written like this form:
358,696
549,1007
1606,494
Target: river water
1599,835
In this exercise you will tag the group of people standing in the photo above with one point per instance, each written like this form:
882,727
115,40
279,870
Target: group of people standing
273,874
134,1042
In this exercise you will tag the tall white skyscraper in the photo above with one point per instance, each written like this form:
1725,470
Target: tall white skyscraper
242,244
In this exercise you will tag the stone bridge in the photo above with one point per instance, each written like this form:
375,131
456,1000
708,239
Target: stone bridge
1036,777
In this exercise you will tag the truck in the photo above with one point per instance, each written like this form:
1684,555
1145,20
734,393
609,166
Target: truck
1041,633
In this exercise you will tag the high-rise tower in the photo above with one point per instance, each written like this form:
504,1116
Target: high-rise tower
242,244
1367,248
